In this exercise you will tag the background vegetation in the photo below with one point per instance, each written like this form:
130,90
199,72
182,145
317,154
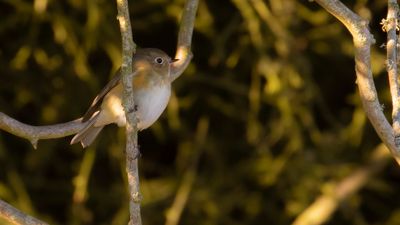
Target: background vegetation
265,119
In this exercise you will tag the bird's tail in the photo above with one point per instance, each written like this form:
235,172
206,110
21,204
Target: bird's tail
87,135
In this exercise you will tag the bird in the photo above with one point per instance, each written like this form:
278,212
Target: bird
151,83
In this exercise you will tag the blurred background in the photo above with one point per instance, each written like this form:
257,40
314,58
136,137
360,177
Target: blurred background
264,127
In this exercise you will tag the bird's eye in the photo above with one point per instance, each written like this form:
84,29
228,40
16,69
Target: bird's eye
159,60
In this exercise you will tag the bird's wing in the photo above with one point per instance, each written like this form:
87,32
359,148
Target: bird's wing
94,107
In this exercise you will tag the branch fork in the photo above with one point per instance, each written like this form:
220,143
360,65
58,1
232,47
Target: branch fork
363,40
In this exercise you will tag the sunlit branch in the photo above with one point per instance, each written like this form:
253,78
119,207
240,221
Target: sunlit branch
183,49
15,216
363,39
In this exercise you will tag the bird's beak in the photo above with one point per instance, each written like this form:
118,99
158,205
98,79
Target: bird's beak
173,60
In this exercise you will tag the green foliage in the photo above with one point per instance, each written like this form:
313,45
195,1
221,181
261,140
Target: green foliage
265,119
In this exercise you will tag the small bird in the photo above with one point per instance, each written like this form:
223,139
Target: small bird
151,82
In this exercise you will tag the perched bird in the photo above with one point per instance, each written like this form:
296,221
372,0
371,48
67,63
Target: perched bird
151,82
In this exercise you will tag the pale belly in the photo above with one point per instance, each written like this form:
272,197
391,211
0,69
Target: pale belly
150,104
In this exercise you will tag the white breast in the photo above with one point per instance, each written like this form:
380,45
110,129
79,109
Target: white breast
150,104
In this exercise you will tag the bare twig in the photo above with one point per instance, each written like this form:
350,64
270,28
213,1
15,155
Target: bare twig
183,52
132,151
35,133
390,25
363,39
325,205
15,216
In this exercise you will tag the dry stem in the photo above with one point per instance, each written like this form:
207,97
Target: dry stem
363,39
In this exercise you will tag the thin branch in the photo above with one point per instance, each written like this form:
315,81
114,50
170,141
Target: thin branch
132,151
363,39
326,204
183,49
390,25
15,216
35,133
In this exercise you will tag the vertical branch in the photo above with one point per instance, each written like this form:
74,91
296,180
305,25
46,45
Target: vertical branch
363,39
128,48
390,26
183,52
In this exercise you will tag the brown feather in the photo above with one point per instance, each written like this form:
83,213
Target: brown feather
95,106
